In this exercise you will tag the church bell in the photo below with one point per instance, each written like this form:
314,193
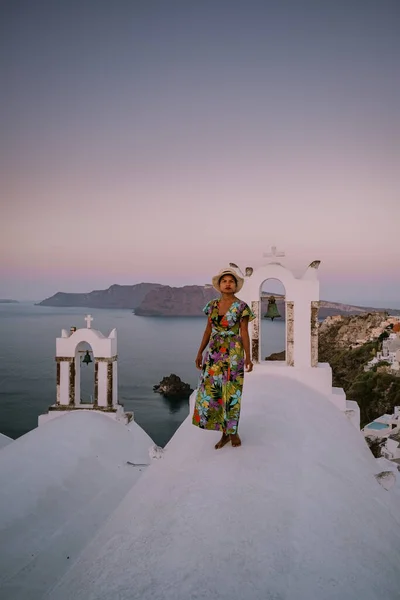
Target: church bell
86,359
272,310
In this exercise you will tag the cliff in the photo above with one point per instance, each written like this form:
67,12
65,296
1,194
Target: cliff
153,299
348,332
116,296
187,301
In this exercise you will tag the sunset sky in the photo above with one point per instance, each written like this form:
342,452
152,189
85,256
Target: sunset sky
159,140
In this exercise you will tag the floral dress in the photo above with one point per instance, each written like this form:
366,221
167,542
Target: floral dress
221,381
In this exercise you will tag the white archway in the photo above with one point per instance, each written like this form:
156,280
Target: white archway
302,300
85,374
105,369
270,330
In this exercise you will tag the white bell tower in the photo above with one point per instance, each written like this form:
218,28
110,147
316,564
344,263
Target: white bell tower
301,307
69,348
301,335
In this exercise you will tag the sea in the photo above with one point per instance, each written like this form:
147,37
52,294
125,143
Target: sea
149,348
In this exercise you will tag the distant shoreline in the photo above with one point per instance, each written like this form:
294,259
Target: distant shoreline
6,301
156,300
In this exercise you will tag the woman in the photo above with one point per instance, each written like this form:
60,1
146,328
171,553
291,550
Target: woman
221,380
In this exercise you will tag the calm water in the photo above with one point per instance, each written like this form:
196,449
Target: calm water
148,349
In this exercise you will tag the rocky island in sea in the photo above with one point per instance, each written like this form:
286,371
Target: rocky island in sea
156,300
7,301
173,387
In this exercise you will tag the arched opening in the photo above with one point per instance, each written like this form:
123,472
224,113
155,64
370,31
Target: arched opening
85,374
272,320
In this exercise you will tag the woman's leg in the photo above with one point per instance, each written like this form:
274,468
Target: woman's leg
223,441
235,439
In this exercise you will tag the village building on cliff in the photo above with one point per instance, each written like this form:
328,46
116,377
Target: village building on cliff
90,508
390,354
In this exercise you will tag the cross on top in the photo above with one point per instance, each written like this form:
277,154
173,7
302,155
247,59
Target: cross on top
274,253
88,320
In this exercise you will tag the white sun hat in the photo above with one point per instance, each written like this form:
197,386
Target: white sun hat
229,271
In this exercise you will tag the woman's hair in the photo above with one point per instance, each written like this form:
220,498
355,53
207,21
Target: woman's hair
226,275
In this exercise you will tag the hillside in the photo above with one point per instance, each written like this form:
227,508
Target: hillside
375,392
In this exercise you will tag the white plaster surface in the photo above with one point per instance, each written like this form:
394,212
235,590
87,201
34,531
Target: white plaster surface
115,382
319,377
295,513
119,415
353,413
102,384
385,465
4,441
58,485
64,383
102,346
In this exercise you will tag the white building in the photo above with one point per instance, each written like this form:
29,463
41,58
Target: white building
391,448
300,511
390,353
387,428
383,426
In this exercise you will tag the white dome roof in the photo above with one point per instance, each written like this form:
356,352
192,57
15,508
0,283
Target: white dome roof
296,513
58,484
4,441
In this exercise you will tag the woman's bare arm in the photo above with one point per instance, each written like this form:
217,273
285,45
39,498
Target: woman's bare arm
203,345
244,333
